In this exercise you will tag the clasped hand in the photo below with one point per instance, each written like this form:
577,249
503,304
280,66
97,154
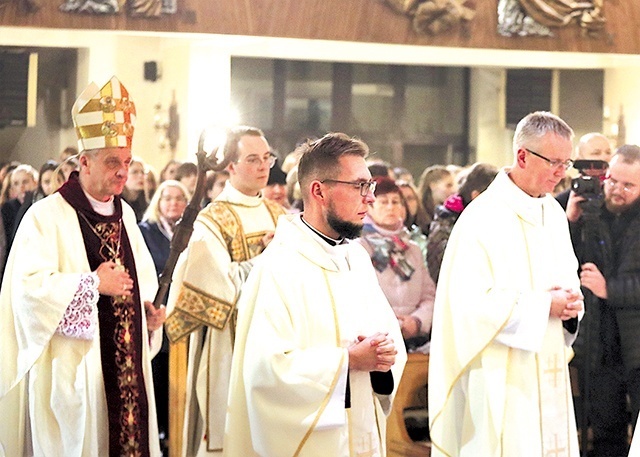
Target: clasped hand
374,353
566,303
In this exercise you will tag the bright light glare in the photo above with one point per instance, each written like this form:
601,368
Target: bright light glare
214,138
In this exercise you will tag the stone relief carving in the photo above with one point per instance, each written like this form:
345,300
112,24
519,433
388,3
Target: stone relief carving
135,8
540,17
433,17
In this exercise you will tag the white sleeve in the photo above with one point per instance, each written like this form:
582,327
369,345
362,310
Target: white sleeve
528,323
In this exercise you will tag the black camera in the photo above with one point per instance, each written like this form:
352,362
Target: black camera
589,183
587,186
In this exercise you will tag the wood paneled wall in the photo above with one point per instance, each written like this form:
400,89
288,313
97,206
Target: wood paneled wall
344,20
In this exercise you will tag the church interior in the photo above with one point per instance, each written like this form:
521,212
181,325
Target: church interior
421,81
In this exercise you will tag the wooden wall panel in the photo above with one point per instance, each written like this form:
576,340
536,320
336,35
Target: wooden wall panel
345,20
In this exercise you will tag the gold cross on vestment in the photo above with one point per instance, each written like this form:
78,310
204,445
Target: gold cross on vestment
368,453
554,370
558,451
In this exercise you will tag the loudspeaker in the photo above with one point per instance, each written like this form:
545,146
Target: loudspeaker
151,71
528,90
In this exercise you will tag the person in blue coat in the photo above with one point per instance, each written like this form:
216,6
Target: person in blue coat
157,225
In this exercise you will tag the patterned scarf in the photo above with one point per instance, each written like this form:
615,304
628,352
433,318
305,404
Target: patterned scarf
389,250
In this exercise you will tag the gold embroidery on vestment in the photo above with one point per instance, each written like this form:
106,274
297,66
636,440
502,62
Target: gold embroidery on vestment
196,308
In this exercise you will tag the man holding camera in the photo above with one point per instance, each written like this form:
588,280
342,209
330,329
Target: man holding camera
595,149
608,246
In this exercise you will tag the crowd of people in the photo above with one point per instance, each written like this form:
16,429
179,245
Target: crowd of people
291,324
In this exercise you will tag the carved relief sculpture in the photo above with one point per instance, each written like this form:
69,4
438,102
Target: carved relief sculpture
540,17
135,8
435,16
90,6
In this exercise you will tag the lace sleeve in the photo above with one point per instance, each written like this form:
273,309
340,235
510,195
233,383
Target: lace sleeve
81,317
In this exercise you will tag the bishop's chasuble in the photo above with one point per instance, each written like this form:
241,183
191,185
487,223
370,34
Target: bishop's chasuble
75,366
305,302
498,374
207,282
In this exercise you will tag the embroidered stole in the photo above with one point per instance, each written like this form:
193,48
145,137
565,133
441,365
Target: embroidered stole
120,327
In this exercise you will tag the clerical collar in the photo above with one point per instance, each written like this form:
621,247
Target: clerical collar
233,195
103,208
324,237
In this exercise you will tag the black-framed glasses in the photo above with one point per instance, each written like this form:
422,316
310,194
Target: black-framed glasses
256,161
566,164
365,186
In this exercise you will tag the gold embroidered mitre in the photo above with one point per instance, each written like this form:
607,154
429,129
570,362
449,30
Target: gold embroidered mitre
104,117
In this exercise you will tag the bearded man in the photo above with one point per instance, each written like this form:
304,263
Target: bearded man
612,360
319,351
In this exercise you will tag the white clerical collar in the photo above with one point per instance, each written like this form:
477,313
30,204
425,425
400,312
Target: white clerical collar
233,195
103,208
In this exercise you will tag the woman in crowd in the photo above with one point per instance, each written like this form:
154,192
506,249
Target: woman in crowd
169,170
475,181
7,193
22,180
417,221
436,184
159,220
45,181
134,189
46,186
399,263
164,211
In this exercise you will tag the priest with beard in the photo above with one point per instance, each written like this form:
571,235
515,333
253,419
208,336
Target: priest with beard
318,351
79,329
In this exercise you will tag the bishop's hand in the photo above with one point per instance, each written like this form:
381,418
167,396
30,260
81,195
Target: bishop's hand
155,316
114,280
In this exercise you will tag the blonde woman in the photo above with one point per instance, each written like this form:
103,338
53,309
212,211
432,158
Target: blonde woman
159,220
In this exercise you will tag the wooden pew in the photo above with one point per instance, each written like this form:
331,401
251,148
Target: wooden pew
414,378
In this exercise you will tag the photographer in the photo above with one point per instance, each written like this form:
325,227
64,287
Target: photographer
593,147
607,242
